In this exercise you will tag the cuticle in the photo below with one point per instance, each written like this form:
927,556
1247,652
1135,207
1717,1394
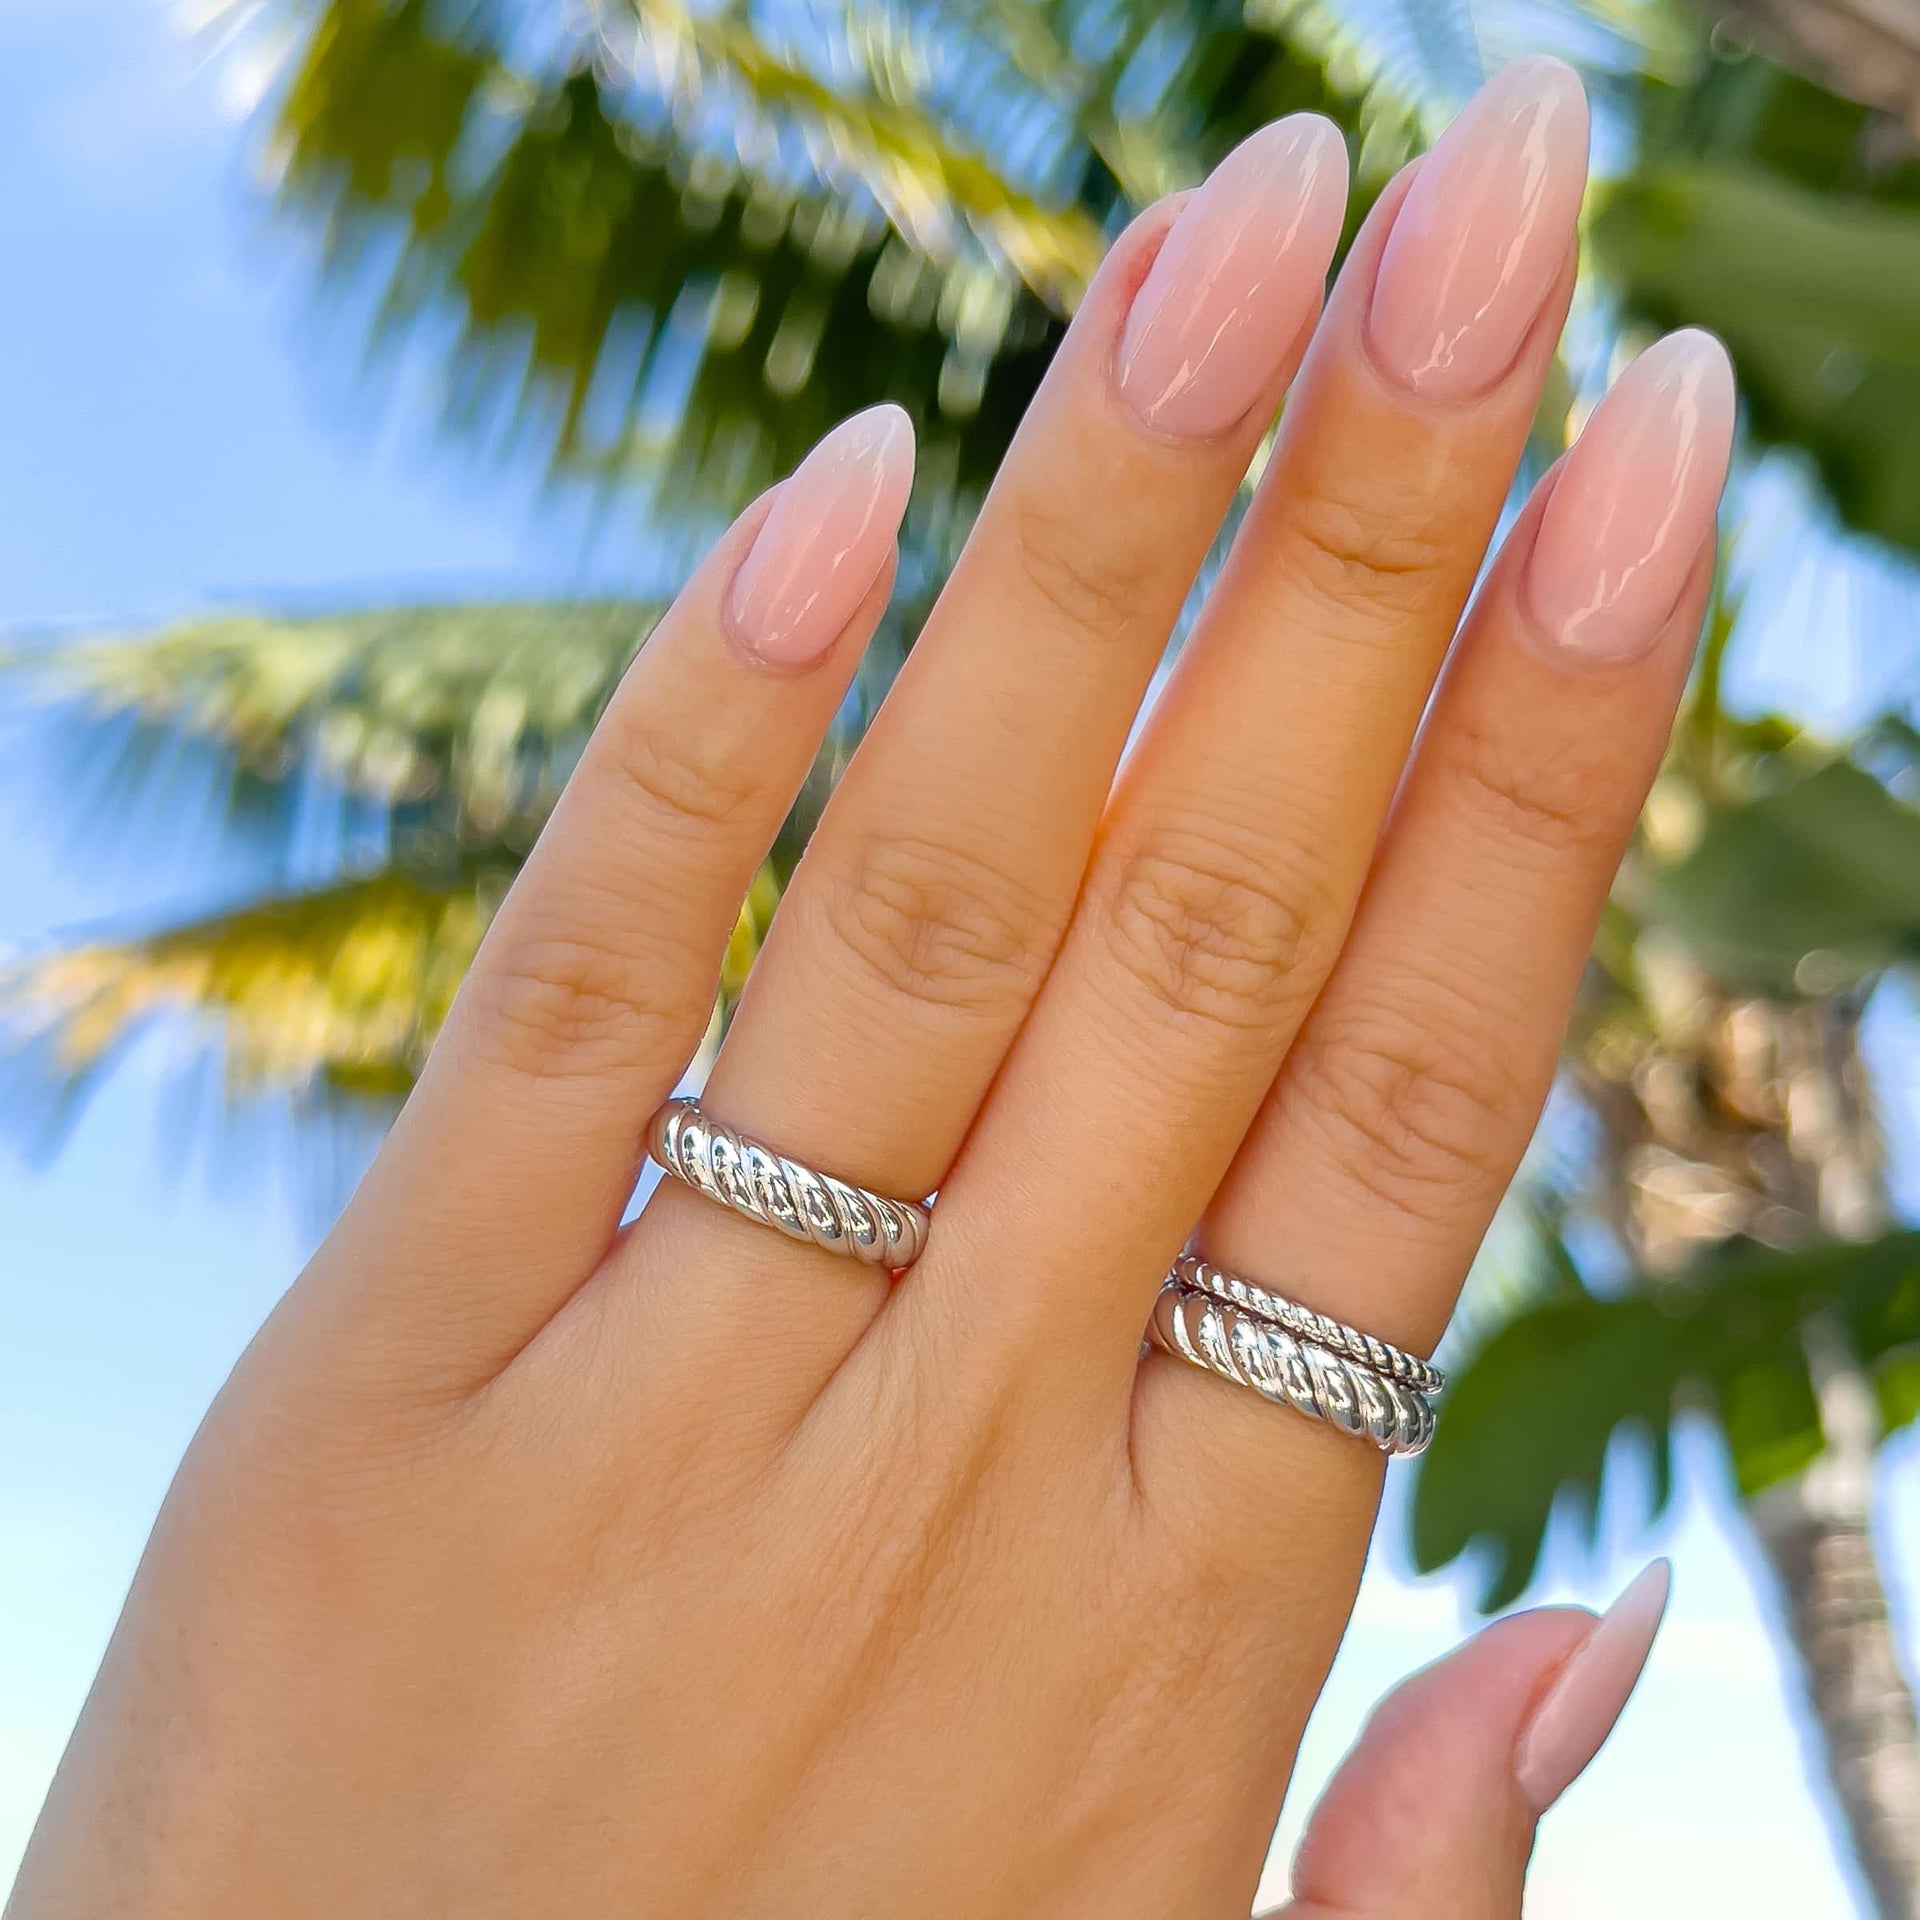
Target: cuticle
1544,1688
1541,637
1553,1675
1269,410
1551,316
1709,544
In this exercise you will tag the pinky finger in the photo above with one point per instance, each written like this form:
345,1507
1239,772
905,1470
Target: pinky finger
1434,1810
504,1180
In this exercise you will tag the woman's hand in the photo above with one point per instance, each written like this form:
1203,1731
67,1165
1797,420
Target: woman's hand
530,1564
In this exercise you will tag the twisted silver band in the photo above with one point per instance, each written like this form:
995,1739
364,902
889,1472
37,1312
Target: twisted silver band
1312,1379
766,1187
1304,1324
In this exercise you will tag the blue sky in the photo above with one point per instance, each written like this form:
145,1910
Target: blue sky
180,425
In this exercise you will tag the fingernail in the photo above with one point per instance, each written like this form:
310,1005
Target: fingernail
1634,501
1481,238
824,543
1569,1725
1236,279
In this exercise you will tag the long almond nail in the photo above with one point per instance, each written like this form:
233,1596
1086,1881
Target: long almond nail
824,543
1569,1725
1634,502
1236,279
1481,238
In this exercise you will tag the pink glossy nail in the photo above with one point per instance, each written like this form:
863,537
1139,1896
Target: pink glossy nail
1568,1726
1481,239
824,543
1634,502
1236,280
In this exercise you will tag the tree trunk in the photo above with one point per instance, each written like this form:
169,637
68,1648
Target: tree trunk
1816,1532
1753,1118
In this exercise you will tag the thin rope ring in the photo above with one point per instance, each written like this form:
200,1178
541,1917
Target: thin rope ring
1304,1324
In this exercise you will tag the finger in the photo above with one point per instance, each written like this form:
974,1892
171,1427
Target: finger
1434,1810
1397,1121
504,1179
925,913
1243,824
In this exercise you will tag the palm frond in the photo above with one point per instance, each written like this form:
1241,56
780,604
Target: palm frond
478,710
1574,1373
883,144
1816,297
1809,885
1608,40
336,991
1410,58
661,271
678,249
1369,56
339,991
1780,216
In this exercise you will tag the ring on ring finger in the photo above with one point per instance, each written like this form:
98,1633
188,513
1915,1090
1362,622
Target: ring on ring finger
1242,1346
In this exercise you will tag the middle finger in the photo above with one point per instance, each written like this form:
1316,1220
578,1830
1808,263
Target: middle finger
1236,843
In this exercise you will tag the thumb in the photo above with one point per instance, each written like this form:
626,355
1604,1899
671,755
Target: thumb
1434,1810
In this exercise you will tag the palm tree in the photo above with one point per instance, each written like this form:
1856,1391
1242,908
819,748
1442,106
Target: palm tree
1735,1158
665,246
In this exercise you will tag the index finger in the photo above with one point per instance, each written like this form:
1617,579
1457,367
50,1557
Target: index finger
502,1184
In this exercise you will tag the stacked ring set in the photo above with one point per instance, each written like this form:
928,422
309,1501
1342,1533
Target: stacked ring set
1295,1357
1241,1332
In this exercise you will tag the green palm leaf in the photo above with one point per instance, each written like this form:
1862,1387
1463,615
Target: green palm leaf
1811,884
480,709
1772,212
1573,1374
643,299
927,186
1815,294
339,990
685,261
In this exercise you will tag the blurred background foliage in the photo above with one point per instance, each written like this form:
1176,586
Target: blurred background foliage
662,246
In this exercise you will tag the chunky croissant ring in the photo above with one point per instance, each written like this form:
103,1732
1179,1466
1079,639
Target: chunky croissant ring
766,1187
1312,1379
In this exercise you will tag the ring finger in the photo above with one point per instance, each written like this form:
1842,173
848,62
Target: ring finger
1392,1131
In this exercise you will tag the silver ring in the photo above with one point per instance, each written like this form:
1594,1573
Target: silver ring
1304,1324
768,1188
1312,1379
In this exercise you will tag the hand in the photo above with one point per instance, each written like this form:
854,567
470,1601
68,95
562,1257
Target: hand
530,1564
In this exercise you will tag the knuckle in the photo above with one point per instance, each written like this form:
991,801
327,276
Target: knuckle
1219,934
572,1005
1380,560
676,776
1095,589
1411,1111
1539,793
936,925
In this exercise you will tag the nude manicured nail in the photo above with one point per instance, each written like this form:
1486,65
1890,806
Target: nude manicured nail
1634,501
1568,1726
824,543
1481,239
1236,279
